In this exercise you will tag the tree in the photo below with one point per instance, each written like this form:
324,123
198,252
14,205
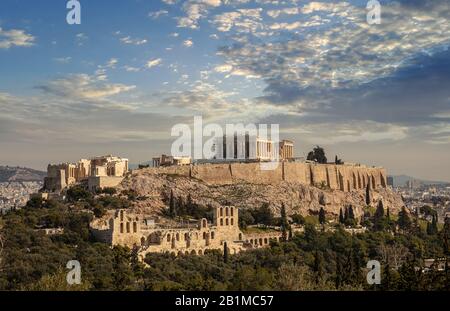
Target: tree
172,207
225,252
298,219
317,155
322,218
338,161
404,222
264,215
368,200
341,217
432,228
318,266
284,223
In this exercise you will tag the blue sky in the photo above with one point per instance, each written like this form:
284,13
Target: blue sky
117,83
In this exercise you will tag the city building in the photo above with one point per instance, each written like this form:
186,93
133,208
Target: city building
165,160
99,172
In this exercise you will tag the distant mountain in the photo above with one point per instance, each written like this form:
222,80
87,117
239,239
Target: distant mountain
401,180
8,174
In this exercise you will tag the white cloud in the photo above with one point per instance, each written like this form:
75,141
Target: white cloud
154,62
133,41
188,43
15,37
158,14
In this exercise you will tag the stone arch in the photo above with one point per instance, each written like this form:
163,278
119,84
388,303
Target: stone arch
265,241
232,211
121,227
128,227
121,215
186,236
134,227
178,236
221,221
168,237
186,253
251,241
173,254
204,235
193,252
180,253
260,241
212,235
226,221
221,212
232,221
200,252
227,211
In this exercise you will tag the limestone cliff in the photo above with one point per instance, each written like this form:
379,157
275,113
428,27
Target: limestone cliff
154,185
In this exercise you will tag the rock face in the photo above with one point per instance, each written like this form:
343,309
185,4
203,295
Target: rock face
155,185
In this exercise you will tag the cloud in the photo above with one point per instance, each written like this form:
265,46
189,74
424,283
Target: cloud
154,62
158,14
15,37
133,41
84,87
188,43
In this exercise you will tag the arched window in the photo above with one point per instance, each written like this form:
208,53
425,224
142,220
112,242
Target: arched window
128,227
186,236
212,234
221,211
178,236
232,211
221,221
121,227
226,221
134,227
204,235
168,238
232,221
227,211
265,241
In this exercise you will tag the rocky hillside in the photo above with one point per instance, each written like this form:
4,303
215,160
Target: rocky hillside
153,187
19,174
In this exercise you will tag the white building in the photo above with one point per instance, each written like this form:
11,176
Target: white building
245,147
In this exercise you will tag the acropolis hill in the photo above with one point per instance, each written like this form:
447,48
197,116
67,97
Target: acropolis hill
302,187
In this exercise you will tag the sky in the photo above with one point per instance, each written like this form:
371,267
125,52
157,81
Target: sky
377,94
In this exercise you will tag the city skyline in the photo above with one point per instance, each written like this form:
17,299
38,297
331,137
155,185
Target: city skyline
117,83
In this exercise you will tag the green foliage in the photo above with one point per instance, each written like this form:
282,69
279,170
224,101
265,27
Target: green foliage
78,193
298,219
322,218
245,218
311,260
317,155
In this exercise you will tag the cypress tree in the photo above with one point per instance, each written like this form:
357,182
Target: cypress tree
351,214
284,222
404,222
172,211
322,218
368,195
225,252
341,217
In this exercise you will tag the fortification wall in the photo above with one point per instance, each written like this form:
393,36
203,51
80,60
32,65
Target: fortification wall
218,174
251,172
336,177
